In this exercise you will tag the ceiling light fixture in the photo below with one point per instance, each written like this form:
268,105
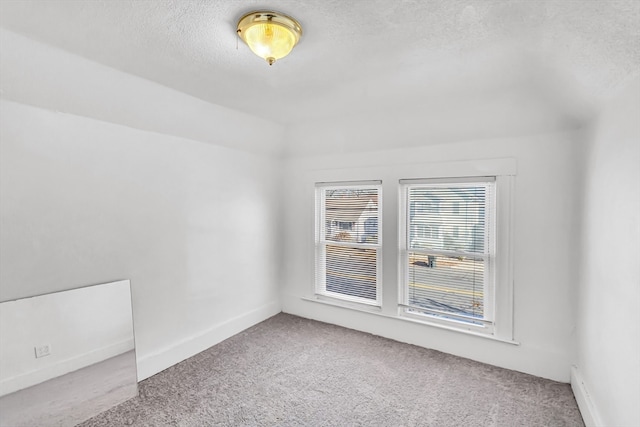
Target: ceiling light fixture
270,35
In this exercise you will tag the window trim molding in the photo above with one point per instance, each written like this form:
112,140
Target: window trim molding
483,326
503,297
505,171
319,241
502,267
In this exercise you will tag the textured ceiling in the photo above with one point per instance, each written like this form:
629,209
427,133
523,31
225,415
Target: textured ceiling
355,56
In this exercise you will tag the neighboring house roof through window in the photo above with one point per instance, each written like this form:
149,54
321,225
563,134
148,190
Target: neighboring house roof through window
349,209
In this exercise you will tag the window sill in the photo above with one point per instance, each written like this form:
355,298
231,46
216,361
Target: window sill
376,310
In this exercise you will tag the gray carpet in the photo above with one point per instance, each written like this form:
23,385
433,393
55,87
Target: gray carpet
289,371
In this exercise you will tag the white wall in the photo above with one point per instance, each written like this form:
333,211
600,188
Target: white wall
192,224
544,243
607,375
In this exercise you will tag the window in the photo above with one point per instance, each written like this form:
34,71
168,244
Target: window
449,277
348,241
456,208
345,225
447,250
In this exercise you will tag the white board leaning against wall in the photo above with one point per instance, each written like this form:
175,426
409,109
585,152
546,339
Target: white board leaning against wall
82,338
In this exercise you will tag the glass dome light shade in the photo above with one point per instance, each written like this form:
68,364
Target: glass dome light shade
270,35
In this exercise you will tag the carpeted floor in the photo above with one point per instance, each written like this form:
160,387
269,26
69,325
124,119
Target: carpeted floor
289,371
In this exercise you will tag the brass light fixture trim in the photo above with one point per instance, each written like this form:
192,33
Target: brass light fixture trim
270,35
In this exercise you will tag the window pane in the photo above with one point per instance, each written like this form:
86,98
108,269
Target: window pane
351,215
455,216
347,241
448,250
449,284
351,271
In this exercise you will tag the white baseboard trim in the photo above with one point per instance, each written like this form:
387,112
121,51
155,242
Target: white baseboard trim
151,364
585,403
61,367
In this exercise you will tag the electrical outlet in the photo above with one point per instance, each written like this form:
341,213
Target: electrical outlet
42,350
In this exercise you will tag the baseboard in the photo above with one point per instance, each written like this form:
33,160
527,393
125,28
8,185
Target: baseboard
585,403
62,367
151,364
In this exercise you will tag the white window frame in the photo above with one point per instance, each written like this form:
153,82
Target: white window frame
498,297
504,169
321,242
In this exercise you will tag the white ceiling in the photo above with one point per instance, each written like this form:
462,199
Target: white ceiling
355,56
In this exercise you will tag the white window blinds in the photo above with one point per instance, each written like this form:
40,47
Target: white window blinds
348,241
447,252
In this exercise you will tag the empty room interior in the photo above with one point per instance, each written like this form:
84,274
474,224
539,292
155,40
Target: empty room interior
458,180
